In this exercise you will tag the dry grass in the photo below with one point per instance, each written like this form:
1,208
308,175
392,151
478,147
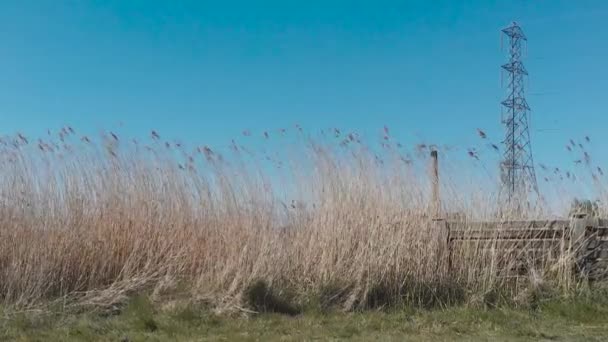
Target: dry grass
88,223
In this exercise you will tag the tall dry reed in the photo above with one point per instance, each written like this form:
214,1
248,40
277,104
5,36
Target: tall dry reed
95,222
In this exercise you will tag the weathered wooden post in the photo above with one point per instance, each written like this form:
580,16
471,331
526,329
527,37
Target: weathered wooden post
435,201
440,227
579,221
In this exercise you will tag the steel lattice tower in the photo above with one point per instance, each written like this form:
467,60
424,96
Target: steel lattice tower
517,166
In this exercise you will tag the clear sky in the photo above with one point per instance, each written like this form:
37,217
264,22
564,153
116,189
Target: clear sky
204,71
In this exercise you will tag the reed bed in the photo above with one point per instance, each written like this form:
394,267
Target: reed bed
333,221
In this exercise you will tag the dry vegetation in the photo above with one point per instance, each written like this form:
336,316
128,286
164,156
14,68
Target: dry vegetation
88,222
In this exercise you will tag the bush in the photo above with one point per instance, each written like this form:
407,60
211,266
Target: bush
264,299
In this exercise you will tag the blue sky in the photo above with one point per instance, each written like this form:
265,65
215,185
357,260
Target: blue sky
205,71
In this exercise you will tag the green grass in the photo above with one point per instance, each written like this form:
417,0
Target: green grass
576,320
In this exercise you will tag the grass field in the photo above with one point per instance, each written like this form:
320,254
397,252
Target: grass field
141,321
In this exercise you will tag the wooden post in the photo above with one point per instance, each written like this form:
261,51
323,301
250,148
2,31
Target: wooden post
435,201
441,228
439,224
578,242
